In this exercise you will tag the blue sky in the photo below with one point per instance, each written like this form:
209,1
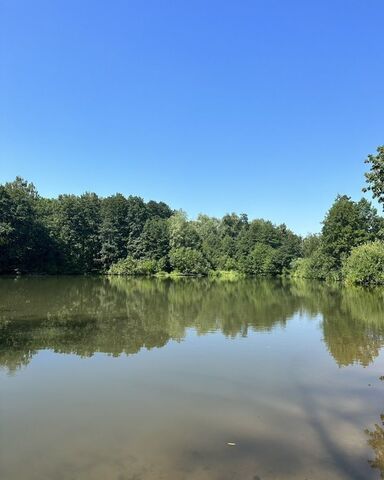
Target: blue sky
265,107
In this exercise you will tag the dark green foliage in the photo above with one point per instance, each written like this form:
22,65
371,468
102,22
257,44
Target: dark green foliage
285,244
137,215
76,224
154,239
24,243
158,209
259,231
232,224
78,234
208,229
114,230
288,249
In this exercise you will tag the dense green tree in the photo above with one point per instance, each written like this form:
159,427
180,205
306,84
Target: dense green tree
18,201
258,231
208,229
114,230
230,230
126,228
284,242
24,242
232,224
289,248
77,224
183,234
347,225
310,244
153,242
137,215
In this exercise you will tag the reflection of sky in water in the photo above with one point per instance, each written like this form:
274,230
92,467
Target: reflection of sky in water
292,408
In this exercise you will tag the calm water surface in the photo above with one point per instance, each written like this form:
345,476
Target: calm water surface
143,379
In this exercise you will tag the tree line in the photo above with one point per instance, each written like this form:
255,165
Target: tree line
89,234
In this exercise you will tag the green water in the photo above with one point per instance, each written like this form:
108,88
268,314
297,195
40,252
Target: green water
144,379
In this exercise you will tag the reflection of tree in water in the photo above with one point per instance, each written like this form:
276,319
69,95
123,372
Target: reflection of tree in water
376,441
354,326
350,341
84,315
122,315
353,319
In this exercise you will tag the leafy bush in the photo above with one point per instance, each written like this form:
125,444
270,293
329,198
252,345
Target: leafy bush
127,266
188,261
131,266
146,267
365,265
227,275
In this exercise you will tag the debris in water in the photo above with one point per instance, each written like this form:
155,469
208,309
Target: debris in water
231,444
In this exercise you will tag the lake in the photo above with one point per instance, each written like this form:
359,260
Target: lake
143,379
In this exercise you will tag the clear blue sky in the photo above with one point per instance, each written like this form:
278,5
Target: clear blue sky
265,107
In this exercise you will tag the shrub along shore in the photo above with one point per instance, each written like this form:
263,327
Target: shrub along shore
121,235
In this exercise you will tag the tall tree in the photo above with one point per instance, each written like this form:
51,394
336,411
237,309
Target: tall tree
23,239
208,230
153,242
114,230
347,225
137,215
77,225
